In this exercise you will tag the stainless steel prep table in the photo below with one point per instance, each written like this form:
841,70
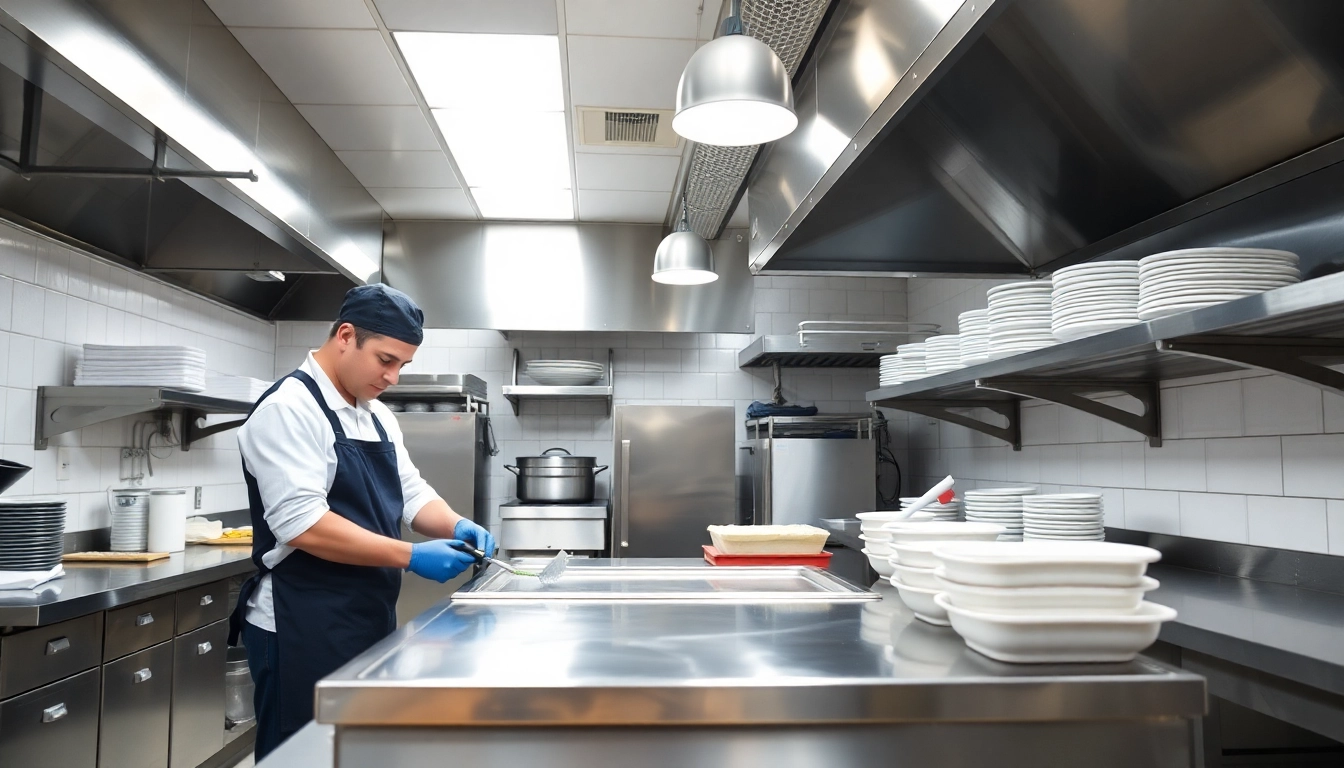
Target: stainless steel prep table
91,587
629,682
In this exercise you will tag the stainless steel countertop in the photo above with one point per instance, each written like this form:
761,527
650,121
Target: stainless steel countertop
90,587
314,746
623,663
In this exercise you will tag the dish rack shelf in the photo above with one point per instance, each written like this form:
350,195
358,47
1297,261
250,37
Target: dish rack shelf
516,393
832,344
65,409
1295,331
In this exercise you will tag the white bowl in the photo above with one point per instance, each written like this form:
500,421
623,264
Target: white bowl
884,516
874,530
1045,563
922,578
1045,601
1034,638
942,531
923,603
876,546
916,554
880,564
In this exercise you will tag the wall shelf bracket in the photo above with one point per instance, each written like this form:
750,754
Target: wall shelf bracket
951,411
191,431
1071,394
1276,354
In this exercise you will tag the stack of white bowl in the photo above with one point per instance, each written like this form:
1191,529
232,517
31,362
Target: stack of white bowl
1019,318
1180,281
1088,299
1000,506
1063,517
1049,602
911,567
942,354
910,361
889,371
973,330
876,540
948,512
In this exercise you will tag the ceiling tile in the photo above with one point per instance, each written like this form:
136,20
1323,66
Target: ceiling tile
317,14
626,71
400,169
405,203
328,66
633,207
519,17
622,18
649,173
359,127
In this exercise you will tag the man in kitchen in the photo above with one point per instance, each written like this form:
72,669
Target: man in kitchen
329,483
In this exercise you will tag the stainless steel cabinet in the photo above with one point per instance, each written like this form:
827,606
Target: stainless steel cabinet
56,725
136,627
198,695
137,699
202,605
39,656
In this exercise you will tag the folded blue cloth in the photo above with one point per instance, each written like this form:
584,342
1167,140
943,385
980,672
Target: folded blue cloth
759,410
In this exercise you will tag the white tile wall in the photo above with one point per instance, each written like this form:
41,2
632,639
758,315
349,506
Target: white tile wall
54,299
651,368
1247,457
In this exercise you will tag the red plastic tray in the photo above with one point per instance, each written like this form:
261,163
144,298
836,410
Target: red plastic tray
714,557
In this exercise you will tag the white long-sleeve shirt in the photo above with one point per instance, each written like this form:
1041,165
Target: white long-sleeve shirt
289,447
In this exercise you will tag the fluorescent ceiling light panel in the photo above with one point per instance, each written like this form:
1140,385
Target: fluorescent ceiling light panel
467,71
524,203
494,149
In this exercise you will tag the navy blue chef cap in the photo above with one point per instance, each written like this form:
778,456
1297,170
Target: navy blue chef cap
385,311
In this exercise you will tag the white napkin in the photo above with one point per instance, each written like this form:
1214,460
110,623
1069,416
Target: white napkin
29,579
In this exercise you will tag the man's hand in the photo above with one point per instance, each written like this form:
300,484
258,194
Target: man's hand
475,535
438,560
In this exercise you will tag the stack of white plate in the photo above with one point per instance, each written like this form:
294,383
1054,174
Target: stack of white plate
946,512
889,371
909,569
1052,602
564,373
1063,517
228,387
1019,318
130,520
973,328
1094,298
181,368
1180,281
31,534
1001,506
910,359
942,354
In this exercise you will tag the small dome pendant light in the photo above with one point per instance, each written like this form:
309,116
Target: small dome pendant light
683,257
734,91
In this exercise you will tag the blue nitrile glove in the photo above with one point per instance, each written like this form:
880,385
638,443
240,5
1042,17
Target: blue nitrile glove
475,535
438,560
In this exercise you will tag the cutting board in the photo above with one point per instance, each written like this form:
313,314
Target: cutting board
225,542
714,557
114,557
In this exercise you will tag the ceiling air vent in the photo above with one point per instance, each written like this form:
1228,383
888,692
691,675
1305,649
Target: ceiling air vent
626,127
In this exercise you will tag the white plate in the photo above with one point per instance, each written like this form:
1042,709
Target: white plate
1023,288
1046,601
1286,256
880,564
1046,564
1017,490
1037,638
923,602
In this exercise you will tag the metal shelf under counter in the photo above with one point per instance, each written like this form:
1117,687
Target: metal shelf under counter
64,409
516,393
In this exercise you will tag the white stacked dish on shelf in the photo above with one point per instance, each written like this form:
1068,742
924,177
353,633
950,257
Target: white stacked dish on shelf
1063,517
31,534
911,360
1050,602
1000,506
948,512
909,569
942,354
889,371
180,368
564,373
1181,281
1093,298
1019,318
973,330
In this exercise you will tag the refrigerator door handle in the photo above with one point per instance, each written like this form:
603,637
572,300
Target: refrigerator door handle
625,494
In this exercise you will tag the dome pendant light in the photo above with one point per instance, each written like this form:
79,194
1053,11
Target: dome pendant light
734,91
683,257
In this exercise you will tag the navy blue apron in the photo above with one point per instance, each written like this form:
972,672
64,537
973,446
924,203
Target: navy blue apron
327,613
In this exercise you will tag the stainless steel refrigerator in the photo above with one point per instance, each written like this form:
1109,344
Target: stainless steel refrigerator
673,476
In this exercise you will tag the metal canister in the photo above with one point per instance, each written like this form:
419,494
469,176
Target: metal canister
238,688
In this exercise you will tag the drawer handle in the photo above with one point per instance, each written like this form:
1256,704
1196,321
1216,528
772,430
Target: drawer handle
54,712
207,599
144,619
56,646
204,648
143,675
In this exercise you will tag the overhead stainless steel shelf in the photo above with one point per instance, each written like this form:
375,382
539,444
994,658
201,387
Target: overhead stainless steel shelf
515,393
1295,331
64,409
832,344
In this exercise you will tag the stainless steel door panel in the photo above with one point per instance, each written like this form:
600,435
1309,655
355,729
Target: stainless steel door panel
38,656
137,704
136,627
198,695
444,449
198,606
815,479
56,725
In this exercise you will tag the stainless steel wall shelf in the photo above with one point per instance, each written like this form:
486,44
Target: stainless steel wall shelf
515,393
832,344
63,409
1292,331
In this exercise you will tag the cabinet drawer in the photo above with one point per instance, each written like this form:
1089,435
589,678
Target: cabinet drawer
136,627
56,725
202,605
137,702
198,695
38,656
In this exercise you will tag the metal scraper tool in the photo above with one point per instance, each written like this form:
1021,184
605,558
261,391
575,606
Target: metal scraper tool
549,575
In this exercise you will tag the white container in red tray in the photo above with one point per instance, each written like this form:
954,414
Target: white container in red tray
768,539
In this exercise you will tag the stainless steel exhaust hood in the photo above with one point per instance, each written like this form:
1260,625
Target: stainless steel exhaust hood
987,137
